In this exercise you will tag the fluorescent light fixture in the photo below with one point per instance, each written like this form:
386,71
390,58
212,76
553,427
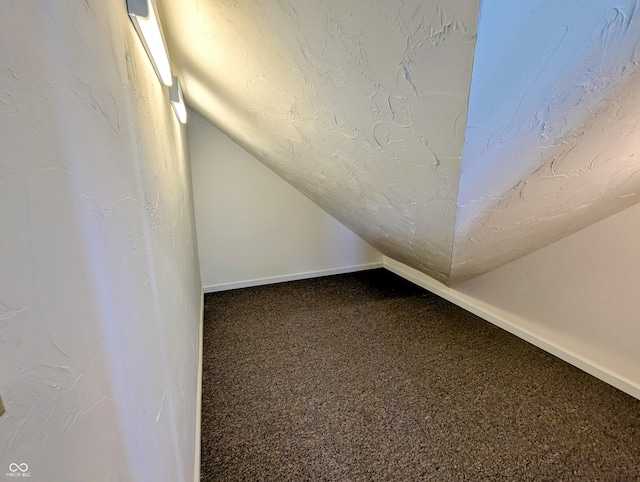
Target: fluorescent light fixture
177,101
144,16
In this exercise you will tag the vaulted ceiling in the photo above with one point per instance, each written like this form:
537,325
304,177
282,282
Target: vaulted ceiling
452,136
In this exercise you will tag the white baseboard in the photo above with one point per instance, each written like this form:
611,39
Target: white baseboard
196,468
509,322
290,277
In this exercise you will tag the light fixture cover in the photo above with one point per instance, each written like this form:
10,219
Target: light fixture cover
177,101
145,19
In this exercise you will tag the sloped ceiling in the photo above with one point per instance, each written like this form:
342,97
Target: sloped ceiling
553,137
362,106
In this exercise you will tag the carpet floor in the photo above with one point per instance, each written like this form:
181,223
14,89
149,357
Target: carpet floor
366,377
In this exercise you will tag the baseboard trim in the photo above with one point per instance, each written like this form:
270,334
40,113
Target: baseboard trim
509,323
290,277
197,461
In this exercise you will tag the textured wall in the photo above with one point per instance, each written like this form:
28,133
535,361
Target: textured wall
99,282
360,105
552,143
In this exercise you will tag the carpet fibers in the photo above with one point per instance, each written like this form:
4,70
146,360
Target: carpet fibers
367,377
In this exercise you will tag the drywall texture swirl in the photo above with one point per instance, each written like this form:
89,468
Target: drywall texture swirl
360,105
100,291
552,143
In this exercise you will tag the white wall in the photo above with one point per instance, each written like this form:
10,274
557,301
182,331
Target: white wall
582,293
100,294
576,298
253,227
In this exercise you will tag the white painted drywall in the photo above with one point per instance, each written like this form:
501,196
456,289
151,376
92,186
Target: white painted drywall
576,298
360,105
580,292
552,139
100,292
253,227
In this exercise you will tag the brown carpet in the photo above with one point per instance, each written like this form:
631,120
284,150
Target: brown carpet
367,377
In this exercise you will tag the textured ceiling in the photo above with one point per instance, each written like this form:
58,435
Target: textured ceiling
553,137
362,106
